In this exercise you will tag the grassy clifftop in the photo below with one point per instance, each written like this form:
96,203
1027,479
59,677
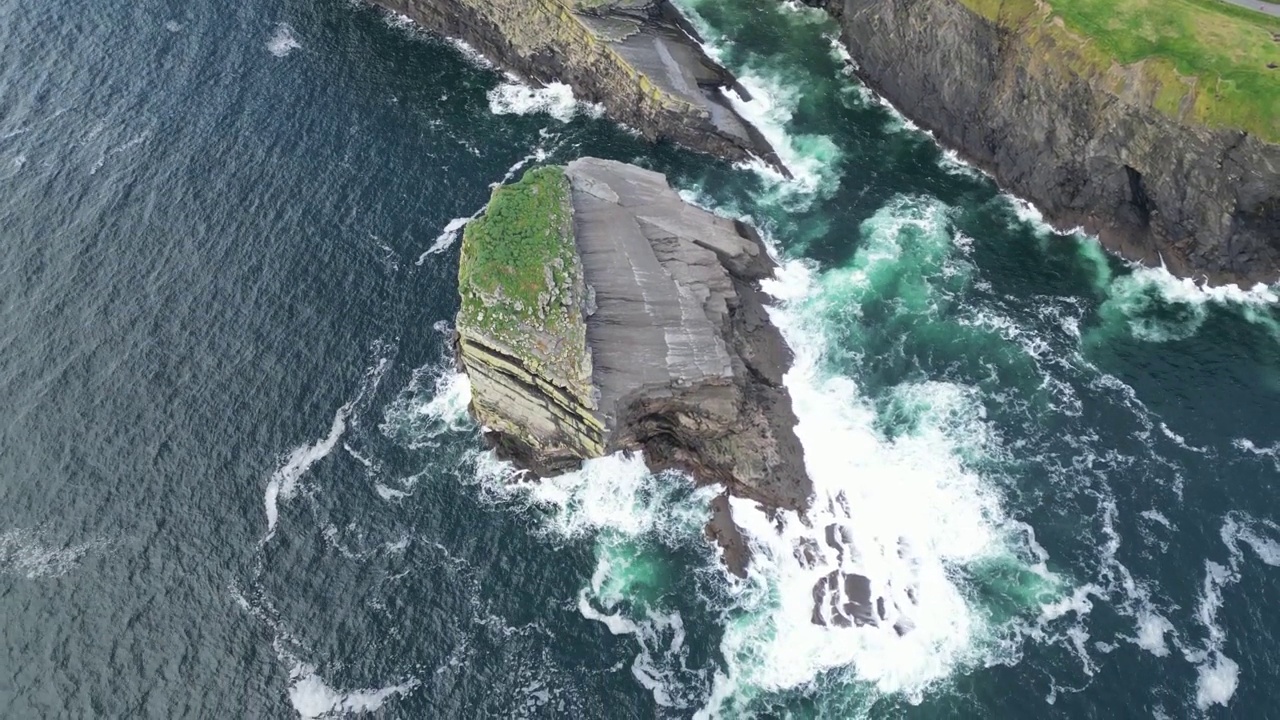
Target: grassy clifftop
520,280
516,258
1200,60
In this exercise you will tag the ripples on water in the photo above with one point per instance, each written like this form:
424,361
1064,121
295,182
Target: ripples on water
239,477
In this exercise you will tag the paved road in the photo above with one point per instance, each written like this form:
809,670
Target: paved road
1270,8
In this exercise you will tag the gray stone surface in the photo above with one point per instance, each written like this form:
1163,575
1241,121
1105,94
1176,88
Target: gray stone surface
637,58
684,362
685,359
1205,202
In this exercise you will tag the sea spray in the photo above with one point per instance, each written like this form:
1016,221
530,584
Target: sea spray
512,96
916,512
1154,306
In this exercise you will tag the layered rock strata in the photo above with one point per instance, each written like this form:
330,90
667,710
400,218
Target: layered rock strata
650,335
639,59
1020,96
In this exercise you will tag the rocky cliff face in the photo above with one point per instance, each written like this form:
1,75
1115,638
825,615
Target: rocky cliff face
637,58
653,337
1084,142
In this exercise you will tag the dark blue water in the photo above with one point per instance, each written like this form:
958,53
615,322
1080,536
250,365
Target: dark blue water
237,478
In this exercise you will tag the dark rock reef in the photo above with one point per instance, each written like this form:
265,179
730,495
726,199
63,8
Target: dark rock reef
646,331
1019,96
640,59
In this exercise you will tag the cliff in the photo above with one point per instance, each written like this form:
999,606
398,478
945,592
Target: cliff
601,313
637,58
1139,154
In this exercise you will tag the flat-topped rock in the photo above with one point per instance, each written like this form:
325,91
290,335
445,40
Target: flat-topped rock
661,300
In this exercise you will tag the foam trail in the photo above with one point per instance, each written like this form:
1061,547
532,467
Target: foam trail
284,481
282,42
25,553
309,694
449,235
1156,306
1249,446
538,154
312,697
1218,676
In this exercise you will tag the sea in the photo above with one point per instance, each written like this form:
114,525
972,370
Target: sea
238,478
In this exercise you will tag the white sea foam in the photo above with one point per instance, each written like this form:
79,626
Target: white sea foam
282,42
1272,452
474,56
312,697
1143,298
359,458
538,155
30,554
309,693
951,162
1152,629
389,494
1217,680
615,493
433,404
1218,676
514,97
406,24
1157,516
1029,214
448,236
812,160
284,482
1181,441
1194,291
916,512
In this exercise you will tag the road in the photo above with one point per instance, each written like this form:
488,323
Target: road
1270,8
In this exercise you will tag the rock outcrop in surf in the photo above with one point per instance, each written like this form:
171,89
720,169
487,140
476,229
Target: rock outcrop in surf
602,313
639,59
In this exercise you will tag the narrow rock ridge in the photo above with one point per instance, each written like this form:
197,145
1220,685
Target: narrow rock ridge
682,360
640,59
1085,143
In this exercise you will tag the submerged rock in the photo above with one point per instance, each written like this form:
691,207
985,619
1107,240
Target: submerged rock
602,313
640,59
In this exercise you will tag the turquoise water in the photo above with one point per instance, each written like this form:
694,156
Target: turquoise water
238,479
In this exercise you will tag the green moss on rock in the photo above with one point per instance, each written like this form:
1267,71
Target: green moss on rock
516,259
520,281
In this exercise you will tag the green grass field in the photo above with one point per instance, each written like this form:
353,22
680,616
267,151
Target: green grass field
1211,59
523,240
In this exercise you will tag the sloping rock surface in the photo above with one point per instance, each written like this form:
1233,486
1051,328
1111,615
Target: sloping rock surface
684,363
1085,144
640,59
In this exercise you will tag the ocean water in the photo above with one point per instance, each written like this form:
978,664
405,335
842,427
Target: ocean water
237,478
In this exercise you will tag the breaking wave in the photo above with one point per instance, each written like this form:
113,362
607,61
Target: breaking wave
514,97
